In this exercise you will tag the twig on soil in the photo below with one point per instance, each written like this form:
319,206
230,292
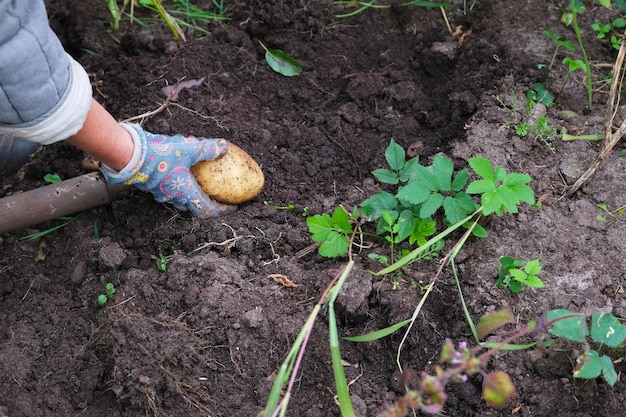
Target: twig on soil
228,243
146,115
121,303
610,138
170,100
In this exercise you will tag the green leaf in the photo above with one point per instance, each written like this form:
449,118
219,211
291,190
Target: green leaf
334,245
378,334
541,95
592,365
413,192
459,180
102,299
571,328
509,262
524,193
482,167
606,329
341,220
514,286
425,176
515,178
534,281
386,176
52,178
518,274
442,168
406,222
480,231
481,186
608,370
491,202
458,207
376,204
532,267
281,62
319,226
395,155
407,170
430,205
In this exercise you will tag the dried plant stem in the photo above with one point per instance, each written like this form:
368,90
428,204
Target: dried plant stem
610,138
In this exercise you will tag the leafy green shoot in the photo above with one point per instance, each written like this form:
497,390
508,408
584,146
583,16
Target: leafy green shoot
606,330
500,192
513,274
559,43
52,178
110,290
332,231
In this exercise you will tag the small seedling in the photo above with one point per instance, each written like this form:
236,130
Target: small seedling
162,261
110,290
525,124
540,94
559,43
332,231
52,178
604,29
577,7
514,273
613,215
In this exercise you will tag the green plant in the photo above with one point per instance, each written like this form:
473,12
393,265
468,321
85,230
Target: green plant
514,273
457,363
438,188
524,120
162,261
52,178
110,290
577,7
559,43
604,29
606,330
613,215
182,13
421,192
332,231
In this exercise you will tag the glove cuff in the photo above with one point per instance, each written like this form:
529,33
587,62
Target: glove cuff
136,160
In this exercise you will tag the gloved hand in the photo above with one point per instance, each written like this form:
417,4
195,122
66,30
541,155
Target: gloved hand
160,165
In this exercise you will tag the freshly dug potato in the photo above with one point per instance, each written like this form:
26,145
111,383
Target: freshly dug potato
231,179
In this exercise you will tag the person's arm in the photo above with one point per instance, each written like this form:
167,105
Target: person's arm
104,139
46,97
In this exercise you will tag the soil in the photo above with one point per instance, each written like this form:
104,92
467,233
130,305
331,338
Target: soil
205,337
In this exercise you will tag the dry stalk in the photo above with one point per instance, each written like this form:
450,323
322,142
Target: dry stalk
610,138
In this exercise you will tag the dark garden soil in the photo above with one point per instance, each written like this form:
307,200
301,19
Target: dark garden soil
205,337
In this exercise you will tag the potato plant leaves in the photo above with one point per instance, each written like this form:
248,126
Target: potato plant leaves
281,62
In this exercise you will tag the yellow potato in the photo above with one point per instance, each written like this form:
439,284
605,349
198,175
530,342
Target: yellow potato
231,179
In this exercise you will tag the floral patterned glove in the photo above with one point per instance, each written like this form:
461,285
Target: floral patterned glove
160,164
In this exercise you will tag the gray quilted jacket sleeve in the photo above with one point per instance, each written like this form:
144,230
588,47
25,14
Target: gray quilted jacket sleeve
44,94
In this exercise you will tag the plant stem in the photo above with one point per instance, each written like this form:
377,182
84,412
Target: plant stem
582,48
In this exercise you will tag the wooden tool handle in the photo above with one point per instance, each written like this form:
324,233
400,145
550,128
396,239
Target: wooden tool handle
70,196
